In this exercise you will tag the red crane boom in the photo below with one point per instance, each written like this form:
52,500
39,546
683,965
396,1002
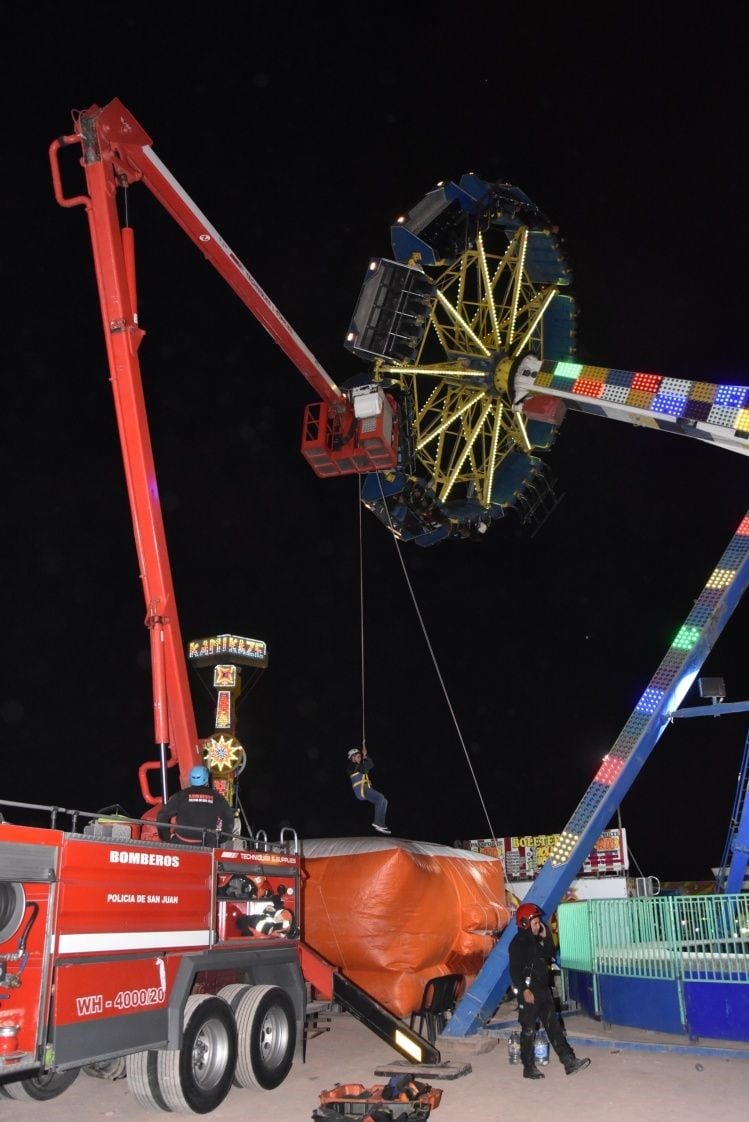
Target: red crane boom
116,152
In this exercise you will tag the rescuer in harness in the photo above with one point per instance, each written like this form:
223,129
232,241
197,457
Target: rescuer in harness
198,806
531,953
359,767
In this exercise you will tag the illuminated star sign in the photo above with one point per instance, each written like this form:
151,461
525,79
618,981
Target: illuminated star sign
225,676
223,753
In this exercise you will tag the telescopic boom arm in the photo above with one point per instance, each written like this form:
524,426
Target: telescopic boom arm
116,152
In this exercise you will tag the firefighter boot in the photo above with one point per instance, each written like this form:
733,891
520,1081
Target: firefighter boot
530,1071
573,1064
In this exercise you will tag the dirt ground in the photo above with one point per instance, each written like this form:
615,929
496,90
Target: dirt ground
629,1080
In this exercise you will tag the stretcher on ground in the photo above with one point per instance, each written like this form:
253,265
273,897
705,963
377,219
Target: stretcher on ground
403,1099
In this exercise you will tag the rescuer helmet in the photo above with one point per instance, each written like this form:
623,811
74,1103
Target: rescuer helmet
354,752
199,776
525,913
262,887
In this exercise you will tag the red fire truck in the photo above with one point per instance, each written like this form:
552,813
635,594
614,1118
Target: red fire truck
181,966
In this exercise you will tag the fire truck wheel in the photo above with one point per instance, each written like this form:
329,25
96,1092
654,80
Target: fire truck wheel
234,993
266,1026
38,1088
143,1080
107,1069
197,1077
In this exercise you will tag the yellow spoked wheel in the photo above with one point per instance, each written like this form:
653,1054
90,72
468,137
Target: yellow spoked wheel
497,282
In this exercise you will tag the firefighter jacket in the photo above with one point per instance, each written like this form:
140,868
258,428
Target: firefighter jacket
531,957
201,807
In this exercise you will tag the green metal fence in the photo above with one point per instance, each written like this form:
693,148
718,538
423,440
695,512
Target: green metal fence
694,938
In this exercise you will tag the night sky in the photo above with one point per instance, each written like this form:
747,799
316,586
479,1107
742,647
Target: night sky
302,137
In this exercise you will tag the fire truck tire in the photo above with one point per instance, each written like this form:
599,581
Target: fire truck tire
197,1077
234,993
143,1080
266,1028
40,1087
107,1069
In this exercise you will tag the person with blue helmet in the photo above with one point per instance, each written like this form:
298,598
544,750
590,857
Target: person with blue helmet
200,807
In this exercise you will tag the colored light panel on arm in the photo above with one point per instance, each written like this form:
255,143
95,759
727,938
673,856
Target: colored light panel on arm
735,397
720,578
649,701
609,770
569,370
673,405
648,383
686,637
588,387
564,847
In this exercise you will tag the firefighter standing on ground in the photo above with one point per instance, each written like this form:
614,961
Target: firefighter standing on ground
359,767
531,953
200,806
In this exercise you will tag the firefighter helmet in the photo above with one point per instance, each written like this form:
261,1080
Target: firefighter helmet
284,919
525,913
199,776
262,886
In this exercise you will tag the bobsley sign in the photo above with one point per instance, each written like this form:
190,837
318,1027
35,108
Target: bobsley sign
523,856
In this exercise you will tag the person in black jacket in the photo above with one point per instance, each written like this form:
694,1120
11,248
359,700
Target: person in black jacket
359,767
200,806
531,954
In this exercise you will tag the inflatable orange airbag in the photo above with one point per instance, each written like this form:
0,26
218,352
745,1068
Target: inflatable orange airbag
392,913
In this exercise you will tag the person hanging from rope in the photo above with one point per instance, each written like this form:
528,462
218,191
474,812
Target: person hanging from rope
359,767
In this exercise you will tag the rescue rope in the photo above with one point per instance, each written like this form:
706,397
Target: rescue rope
361,615
433,657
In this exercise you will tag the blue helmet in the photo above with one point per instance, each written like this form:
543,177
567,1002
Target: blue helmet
199,776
